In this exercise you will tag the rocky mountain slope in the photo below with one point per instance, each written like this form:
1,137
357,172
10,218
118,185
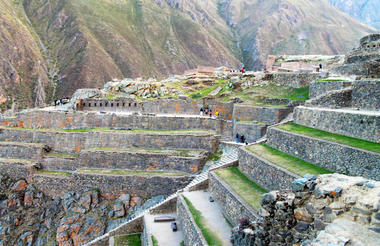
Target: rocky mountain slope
50,48
290,27
367,11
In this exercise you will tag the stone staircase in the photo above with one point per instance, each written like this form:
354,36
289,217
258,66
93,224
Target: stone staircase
230,158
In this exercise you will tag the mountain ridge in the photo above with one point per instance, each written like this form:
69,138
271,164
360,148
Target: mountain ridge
71,44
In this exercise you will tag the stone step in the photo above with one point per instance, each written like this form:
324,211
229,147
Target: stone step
184,160
20,150
362,124
16,168
272,169
73,141
236,194
331,155
197,215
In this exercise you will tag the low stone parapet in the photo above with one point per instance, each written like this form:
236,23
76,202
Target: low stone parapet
144,159
330,155
234,207
352,123
191,232
264,173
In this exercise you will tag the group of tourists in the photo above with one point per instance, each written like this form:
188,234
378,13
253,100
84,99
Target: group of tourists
205,111
61,101
240,139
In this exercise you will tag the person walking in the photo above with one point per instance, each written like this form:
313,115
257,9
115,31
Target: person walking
210,113
201,111
237,138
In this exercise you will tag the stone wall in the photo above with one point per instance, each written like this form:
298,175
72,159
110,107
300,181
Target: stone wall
191,233
332,99
71,142
234,207
332,156
349,123
264,173
60,163
159,106
252,132
16,170
143,186
134,226
296,80
21,151
80,120
118,159
167,207
366,94
268,115
318,88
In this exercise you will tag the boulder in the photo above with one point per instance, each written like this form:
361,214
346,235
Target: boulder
19,186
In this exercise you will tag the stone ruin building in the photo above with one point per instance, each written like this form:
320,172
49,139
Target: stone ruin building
102,172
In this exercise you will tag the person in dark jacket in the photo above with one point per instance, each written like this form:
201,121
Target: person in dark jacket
237,138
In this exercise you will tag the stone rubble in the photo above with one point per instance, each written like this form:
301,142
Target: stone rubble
332,209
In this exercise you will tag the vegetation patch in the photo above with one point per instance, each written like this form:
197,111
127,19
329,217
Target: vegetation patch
63,155
315,133
125,172
169,152
244,187
216,156
154,241
128,240
210,236
13,160
54,173
290,163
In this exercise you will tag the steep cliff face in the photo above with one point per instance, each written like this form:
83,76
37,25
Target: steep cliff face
367,11
290,27
22,67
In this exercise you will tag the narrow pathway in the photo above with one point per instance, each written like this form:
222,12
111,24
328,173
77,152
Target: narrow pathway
212,212
162,231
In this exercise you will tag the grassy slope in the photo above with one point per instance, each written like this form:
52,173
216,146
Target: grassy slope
311,132
290,163
124,172
210,236
244,187
128,240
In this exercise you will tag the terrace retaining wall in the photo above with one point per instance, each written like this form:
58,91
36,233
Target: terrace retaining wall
332,156
21,151
349,123
16,170
318,88
76,141
365,94
252,132
80,120
269,115
296,80
142,186
192,235
234,207
114,159
264,173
